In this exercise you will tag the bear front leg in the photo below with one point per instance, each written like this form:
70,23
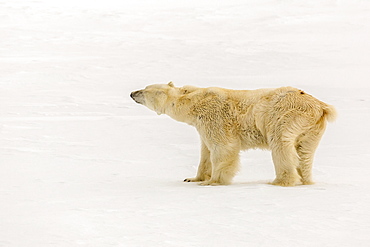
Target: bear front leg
204,168
225,164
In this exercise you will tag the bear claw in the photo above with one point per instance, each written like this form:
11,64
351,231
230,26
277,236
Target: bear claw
192,180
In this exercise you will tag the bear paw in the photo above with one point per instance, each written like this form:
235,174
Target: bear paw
211,182
307,182
284,183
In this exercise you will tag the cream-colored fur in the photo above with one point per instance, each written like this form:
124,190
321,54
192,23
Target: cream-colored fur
285,120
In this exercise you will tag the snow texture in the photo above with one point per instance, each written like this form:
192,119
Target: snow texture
83,165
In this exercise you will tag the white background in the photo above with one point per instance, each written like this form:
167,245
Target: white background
83,165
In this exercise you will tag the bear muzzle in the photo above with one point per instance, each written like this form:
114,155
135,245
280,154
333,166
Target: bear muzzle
138,97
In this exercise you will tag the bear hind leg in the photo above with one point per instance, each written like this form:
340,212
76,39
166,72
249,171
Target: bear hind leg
286,161
306,147
305,164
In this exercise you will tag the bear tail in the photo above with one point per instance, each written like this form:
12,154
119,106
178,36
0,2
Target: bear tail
330,113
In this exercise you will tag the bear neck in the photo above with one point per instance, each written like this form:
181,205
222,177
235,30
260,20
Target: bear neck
178,108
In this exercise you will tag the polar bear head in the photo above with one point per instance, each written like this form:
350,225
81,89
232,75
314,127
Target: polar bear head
156,96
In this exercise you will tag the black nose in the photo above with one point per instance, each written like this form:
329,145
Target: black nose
137,96
134,94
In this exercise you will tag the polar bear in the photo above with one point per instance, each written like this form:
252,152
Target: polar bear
285,120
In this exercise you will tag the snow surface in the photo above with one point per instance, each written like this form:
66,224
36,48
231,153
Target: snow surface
83,165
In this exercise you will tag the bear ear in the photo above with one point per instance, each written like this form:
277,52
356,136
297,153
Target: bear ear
171,84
